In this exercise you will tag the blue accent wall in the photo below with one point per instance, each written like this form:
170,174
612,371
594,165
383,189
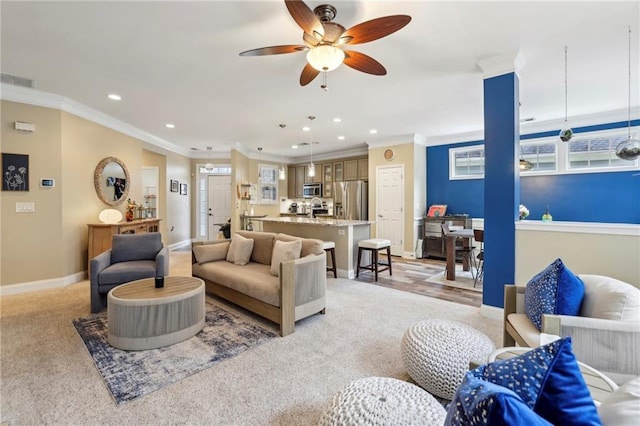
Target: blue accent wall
586,197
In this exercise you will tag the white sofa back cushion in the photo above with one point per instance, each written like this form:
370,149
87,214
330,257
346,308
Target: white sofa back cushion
609,298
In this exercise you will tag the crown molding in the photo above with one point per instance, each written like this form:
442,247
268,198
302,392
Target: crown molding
502,64
399,140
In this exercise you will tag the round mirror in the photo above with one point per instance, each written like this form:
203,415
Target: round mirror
111,180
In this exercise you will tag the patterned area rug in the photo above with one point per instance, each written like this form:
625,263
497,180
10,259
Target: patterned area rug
132,374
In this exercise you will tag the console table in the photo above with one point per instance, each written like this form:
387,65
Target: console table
100,234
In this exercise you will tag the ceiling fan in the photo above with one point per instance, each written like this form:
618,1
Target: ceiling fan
324,39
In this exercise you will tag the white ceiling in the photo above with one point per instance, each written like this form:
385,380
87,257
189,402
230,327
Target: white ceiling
177,62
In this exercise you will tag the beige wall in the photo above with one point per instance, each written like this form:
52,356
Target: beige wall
51,243
414,186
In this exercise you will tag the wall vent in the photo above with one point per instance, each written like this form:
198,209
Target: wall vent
17,81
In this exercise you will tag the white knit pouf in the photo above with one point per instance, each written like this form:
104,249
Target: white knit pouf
383,401
436,354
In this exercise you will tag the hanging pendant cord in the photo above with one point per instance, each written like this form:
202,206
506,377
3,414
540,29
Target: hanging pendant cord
629,103
565,84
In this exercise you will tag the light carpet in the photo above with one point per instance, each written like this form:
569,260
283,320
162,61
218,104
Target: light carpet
464,279
131,374
47,377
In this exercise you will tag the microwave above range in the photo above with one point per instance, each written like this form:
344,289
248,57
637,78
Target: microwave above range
310,190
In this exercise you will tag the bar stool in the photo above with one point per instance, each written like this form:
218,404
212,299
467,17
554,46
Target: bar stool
330,246
374,245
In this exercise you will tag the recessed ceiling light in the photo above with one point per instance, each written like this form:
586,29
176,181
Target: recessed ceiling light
170,126
373,131
114,97
337,120
306,129
294,146
340,138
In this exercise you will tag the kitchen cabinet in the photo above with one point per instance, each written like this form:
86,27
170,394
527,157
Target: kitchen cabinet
327,180
338,171
434,243
351,170
301,176
319,173
291,182
363,169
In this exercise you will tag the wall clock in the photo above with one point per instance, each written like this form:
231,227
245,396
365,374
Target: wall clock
389,154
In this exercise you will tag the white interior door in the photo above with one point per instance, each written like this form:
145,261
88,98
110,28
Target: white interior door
390,202
218,204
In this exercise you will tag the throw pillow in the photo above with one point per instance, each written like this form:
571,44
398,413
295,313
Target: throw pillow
282,252
555,290
548,380
240,250
210,252
479,402
622,407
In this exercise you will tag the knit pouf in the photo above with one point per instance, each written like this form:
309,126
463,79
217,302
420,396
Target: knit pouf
436,354
383,401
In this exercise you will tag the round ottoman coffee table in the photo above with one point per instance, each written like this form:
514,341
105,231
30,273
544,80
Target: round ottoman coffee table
383,401
436,354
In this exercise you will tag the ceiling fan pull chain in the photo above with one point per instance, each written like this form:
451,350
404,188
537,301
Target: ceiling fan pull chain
324,86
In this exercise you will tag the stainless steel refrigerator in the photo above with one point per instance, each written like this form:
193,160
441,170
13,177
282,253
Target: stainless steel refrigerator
351,200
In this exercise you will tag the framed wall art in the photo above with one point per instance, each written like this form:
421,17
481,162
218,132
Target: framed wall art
183,189
174,185
15,172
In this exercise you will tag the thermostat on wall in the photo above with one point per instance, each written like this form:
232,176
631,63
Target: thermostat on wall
47,183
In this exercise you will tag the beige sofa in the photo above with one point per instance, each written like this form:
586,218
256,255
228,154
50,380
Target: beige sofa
298,292
605,335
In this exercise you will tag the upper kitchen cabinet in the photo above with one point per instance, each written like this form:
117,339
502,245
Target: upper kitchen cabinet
291,182
351,170
301,179
363,169
317,178
327,180
338,171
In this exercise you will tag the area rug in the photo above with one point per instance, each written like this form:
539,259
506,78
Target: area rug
131,374
463,280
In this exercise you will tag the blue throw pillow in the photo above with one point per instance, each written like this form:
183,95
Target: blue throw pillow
548,380
555,290
478,402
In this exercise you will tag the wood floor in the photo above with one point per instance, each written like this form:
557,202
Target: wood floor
407,277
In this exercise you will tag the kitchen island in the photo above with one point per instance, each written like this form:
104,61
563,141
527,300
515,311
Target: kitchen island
345,234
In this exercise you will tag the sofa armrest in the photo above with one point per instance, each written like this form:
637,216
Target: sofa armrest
607,345
301,280
162,262
99,263
511,293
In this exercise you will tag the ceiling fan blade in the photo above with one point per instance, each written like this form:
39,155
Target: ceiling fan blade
361,62
274,50
308,74
375,29
310,40
304,17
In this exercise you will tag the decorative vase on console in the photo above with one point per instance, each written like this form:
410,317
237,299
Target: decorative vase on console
131,205
546,217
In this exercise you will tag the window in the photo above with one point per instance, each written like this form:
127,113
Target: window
268,184
467,162
543,155
223,170
595,150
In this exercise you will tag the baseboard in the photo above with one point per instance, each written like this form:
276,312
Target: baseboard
27,287
492,312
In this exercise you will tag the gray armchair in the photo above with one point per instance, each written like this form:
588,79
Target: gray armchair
131,257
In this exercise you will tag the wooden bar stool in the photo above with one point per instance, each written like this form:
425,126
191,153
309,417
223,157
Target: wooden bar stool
330,246
374,245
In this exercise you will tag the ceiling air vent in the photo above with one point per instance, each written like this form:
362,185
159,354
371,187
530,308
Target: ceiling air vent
17,81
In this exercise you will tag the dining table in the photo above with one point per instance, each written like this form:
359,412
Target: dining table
466,235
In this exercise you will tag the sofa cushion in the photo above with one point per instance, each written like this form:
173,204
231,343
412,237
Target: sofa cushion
549,381
262,245
252,279
122,272
480,402
609,298
144,246
283,251
622,407
240,250
309,245
555,290
211,252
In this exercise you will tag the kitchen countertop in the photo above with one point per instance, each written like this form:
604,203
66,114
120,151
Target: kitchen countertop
316,222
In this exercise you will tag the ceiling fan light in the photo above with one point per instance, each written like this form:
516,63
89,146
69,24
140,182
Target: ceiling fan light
325,57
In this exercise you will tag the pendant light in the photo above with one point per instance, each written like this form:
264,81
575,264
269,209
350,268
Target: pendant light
630,148
209,166
311,170
525,165
282,174
259,168
566,133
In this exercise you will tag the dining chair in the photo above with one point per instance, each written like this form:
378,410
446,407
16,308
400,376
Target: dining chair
460,248
478,236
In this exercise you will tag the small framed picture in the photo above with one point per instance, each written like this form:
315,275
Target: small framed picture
437,210
174,185
183,189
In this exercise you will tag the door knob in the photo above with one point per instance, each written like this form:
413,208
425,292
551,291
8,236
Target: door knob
380,215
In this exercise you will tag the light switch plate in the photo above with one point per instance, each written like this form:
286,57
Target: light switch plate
28,207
